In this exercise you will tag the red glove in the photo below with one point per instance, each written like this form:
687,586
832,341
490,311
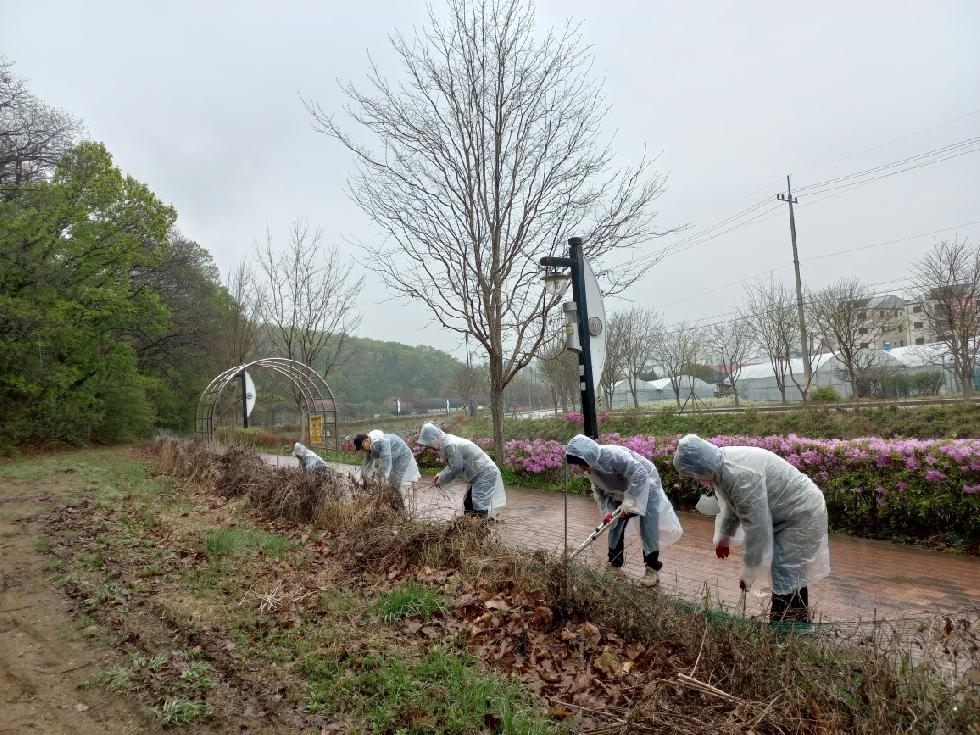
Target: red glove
722,551
608,517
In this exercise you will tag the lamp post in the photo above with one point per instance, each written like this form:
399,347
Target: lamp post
244,399
577,322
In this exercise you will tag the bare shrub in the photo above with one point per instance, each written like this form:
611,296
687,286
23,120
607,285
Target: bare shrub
704,669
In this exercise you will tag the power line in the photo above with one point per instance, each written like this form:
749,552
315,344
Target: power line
921,159
736,314
722,223
890,142
762,216
889,242
818,257
857,185
840,184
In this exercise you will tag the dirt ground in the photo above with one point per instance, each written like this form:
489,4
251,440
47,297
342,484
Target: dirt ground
44,657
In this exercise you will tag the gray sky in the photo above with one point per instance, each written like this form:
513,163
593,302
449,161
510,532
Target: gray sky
200,101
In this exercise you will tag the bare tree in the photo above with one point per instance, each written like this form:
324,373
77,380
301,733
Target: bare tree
775,325
642,329
490,157
731,345
614,367
947,282
309,299
239,337
466,382
846,319
674,351
33,135
560,368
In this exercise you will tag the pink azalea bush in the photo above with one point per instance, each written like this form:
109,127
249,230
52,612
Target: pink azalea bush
893,488
904,489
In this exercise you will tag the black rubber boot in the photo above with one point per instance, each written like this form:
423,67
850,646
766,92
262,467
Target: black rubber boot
468,509
616,556
792,607
652,560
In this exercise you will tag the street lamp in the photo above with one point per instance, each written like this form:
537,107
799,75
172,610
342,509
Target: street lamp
577,321
555,281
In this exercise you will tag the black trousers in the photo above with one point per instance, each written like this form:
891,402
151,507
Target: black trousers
468,509
790,608
617,558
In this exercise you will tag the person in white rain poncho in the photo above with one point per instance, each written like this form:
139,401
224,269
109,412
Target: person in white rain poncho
627,483
781,511
485,493
387,456
308,459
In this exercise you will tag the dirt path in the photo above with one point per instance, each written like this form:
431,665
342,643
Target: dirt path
44,657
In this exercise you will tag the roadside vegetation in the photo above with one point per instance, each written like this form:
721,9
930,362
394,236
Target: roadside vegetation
268,599
883,475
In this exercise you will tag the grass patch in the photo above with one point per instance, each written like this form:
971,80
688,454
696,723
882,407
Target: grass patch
180,711
113,680
199,676
224,541
410,601
440,692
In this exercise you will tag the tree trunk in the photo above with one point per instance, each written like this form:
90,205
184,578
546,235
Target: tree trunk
497,397
497,412
734,392
855,391
966,380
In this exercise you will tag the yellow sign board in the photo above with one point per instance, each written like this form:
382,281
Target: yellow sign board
316,430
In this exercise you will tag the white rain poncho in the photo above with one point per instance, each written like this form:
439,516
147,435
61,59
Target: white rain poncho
617,473
391,459
463,457
781,510
370,462
308,459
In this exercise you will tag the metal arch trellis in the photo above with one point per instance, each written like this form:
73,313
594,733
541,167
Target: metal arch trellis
318,399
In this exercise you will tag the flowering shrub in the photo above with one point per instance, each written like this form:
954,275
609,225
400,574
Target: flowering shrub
905,489
426,458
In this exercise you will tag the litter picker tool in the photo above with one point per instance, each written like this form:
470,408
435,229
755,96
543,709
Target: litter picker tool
599,530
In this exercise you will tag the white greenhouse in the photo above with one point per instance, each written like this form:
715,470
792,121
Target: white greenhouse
622,397
758,382
687,385
659,390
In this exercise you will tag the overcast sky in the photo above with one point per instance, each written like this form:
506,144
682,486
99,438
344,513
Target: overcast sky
200,101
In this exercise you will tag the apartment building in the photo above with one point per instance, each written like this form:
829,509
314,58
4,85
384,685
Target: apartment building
890,321
886,323
918,332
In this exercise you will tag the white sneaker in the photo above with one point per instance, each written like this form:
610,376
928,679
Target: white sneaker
651,578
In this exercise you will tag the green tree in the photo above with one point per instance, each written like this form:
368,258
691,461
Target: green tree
68,249
179,359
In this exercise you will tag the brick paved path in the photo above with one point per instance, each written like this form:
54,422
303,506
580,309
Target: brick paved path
869,579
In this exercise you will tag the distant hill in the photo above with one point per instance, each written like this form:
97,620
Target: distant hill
374,372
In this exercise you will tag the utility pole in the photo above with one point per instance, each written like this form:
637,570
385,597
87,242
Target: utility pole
804,340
